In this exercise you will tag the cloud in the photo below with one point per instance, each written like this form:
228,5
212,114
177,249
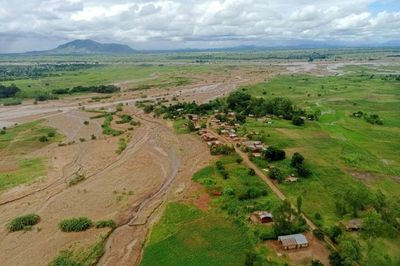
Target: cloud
160,24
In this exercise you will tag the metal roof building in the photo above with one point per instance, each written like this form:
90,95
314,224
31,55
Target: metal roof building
293,241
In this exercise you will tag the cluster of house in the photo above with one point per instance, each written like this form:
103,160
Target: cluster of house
255,147
209,138
287,242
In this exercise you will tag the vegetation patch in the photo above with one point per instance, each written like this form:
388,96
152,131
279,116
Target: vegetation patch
75,224
186,236
24,222
28,170
105,223
83,256
77,178
122,144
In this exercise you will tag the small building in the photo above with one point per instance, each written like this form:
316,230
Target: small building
354,225
293,241
291,179
262,217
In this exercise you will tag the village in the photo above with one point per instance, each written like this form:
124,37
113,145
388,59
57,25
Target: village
219,133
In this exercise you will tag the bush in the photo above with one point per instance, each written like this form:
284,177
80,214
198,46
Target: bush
318,233
23,222
75,224
252,172
297,121
275,173
51,134
239,160
86,123
297,159
303,171
76,179
105,223
274,154
43,139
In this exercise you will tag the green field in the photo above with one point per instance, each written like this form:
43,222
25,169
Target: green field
139,77
343,152
15,144
221,235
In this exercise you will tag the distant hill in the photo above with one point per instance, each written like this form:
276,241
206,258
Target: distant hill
85,47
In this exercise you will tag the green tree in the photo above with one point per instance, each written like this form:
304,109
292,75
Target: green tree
191,126
283,219
299,202
373,226
297,159
275,173
350,250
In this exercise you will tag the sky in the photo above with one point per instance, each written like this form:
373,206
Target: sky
175,24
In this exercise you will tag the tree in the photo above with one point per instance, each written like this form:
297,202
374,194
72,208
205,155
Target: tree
299,202
275,173
303,171
350,250
297,159
191,126
334,233
373,225
335,259
252,172
357,197
272,153
297,120
238,101
283,219
316,263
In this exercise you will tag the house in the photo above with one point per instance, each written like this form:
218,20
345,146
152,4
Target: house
208,137
262,217
213,143
293,241
254,146
354,225
291,179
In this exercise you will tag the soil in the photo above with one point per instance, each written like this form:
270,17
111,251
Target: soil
131,188
302,256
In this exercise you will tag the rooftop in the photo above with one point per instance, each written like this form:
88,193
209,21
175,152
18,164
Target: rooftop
298,239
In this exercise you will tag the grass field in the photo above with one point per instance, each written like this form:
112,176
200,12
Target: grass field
342,151
15,144
137,76
24,138
222,235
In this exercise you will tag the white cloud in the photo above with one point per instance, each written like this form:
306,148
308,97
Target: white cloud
162,24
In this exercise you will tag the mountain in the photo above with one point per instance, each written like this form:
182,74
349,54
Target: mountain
84,47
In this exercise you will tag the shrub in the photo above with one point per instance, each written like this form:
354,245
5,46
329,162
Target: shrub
51,134
75,224
297,121
239,160
105,223
274,154
43,139
76,179
303,171
86,123
252,172
318,233
297,159
23,222
275,173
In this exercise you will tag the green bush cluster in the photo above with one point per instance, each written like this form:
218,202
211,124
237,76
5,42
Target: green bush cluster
105,223
23,222
75,224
